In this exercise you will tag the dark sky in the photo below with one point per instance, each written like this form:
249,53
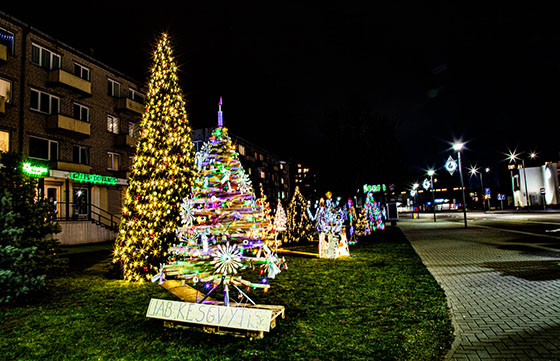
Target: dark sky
317,82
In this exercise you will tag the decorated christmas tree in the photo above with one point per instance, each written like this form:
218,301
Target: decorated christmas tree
280,221
374,214
299,227
223,233
362,224
161,174
329,221
350,220
266,217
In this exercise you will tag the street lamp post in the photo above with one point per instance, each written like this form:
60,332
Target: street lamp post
457,147
415,187
513,157
431,174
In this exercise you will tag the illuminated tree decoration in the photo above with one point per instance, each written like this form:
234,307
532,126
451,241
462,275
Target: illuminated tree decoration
266,217
329,218
280,221
362,224
299,227
224,233
350,218
161,175
374,214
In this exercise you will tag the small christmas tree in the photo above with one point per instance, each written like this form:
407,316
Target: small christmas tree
299,227
266,217
362,224
374,214
329,219
161,174
224,230
280,221
28,253
350,218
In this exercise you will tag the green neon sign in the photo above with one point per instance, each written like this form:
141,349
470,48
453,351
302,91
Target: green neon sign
93,178
35,170
374,188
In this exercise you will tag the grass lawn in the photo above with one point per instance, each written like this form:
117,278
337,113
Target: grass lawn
381,304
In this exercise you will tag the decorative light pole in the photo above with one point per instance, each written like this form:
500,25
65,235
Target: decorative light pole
415,189
431,173
474,171
458,147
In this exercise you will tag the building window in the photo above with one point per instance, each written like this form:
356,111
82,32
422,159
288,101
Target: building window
113,161
131,129
7,39
136,96
112,124
80,154
113,88
241,149
130,161
43,148
44,102
261,157
6,89
263,174
44,57
81,112
81,71
282,180
4,141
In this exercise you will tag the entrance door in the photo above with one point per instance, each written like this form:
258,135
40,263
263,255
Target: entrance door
52,198
80,206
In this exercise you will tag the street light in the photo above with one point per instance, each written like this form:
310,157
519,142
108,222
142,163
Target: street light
458,147
415,188
431,173
513,157
473,171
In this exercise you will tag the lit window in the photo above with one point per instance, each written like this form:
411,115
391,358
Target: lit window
282,180
44,102
80,154
4,141
81,71
81,112
43,148
113,88
131,129
263,174
7,39
241,149
299,170
113,161
112,124
6,90
44,57
261,157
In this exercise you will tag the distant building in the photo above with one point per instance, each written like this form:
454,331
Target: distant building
73,116
306,179
529,184
263,166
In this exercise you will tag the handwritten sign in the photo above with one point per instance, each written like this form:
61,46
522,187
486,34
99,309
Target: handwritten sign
245,318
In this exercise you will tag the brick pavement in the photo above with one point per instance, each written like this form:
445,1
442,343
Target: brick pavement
505,304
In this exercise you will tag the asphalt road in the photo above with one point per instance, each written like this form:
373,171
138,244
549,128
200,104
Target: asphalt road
526,231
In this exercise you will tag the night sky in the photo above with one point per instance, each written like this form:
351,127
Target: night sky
373,93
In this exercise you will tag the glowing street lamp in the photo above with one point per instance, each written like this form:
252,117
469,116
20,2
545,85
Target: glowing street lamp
415,189
458,147
474,171
431,173
513,157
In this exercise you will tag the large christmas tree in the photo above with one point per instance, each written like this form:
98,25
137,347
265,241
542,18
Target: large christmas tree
299,227
161,174
224,232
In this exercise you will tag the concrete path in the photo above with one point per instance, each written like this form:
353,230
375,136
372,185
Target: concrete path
504,296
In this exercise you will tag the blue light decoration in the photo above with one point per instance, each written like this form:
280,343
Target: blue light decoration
329,220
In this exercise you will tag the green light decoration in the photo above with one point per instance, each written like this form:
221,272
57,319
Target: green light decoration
35,170
375,188
93,178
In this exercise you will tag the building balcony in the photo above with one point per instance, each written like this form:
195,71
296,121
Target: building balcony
127,104
67,125
62,77
126,141
3,53
2,105
72,167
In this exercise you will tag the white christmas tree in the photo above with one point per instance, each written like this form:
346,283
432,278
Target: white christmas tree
280,221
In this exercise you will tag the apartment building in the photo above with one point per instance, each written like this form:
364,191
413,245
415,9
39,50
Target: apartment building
75,119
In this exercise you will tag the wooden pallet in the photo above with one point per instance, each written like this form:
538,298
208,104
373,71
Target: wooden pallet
277,311
189,294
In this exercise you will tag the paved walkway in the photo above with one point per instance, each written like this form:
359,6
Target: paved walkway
505,303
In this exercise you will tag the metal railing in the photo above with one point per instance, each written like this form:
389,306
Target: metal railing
87,212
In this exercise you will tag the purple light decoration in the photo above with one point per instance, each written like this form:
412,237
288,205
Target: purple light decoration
220,116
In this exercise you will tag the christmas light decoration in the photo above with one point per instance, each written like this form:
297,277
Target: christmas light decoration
350,217
374,214
225,230
279,225
161,175
362,224
329,218
299,227
266,217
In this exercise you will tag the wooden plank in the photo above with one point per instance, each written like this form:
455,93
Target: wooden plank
184,292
